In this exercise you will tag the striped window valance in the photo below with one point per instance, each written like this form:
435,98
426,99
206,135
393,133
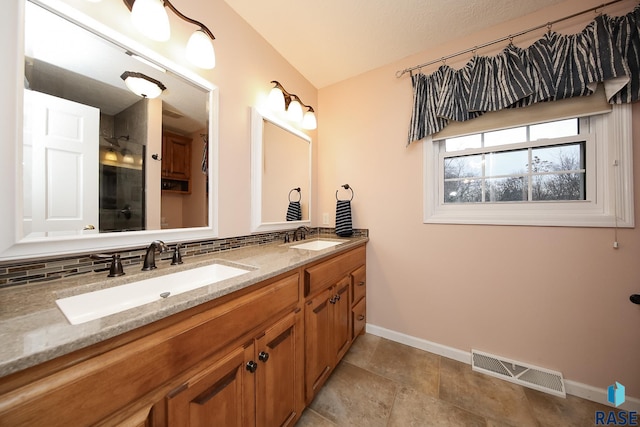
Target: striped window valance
555,67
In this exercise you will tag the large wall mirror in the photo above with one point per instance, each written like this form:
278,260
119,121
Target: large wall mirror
281,174
102,167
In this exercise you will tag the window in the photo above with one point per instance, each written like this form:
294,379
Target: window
567,172
494,167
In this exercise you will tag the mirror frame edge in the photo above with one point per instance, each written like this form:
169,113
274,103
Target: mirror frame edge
12,247
257,225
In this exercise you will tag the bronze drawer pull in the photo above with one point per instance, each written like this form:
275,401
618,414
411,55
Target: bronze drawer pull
361,317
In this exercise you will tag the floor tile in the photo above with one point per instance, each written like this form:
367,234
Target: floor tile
484,395
414,409
406,365
362,350
355,397
311,418
551,410
383,383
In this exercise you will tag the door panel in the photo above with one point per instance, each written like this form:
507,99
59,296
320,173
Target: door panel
317,342
276,390
341,318
61,158
215,397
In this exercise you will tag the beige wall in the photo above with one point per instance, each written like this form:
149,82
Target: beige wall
554,297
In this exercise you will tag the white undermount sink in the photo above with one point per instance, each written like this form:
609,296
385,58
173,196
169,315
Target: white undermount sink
94,305
317,245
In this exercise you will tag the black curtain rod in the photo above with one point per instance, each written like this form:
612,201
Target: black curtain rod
509,37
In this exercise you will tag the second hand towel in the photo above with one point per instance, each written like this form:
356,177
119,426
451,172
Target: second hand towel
344,228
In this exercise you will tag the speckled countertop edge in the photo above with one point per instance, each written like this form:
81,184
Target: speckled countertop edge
33,330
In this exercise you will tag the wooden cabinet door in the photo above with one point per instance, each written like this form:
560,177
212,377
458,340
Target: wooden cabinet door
176,156
317,324
221,395
341,329
279,395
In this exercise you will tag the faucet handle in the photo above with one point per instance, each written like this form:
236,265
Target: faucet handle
115,269
177,257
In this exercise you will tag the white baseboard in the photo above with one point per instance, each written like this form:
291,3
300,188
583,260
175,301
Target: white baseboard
573,388
431,347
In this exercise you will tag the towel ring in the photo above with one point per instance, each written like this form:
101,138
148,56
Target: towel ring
346,187
299,193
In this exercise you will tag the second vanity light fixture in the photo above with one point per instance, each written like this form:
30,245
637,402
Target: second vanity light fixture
280,101
151,19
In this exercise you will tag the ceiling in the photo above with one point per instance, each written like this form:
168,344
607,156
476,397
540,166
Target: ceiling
331,40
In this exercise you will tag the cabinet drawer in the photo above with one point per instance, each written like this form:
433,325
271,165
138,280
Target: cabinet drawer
359,314
359,283
327,273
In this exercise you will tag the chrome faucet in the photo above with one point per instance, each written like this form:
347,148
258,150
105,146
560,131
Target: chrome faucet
150,256
302,230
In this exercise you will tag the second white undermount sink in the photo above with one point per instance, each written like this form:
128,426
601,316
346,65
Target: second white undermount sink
94,305
317,245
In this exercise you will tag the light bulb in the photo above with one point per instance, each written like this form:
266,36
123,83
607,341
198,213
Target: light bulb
294,112
151,19
309,120
200,50
276,100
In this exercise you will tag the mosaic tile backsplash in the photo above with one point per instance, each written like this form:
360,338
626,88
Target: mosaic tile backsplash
13,273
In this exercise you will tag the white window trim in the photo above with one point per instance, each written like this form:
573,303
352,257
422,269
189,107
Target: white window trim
611,207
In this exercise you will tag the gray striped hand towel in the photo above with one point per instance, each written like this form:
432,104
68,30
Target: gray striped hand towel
294,211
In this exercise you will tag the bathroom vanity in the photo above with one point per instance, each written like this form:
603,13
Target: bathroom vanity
251,350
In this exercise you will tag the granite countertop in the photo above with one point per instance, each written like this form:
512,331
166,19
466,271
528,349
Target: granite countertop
33,330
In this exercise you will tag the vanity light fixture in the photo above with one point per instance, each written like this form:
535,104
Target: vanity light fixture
151,19
280,100
127,157
111,155
142,85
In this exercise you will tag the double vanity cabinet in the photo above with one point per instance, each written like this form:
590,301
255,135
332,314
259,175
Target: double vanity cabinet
256,356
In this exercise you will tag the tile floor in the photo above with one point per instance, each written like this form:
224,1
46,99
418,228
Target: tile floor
383,383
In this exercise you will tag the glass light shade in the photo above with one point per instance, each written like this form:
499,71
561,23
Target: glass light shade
143,87
127,157
111,156
309,120
276,100
294,112
150,18
200,50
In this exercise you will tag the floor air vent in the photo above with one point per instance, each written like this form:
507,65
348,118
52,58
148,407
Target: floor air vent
517,372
